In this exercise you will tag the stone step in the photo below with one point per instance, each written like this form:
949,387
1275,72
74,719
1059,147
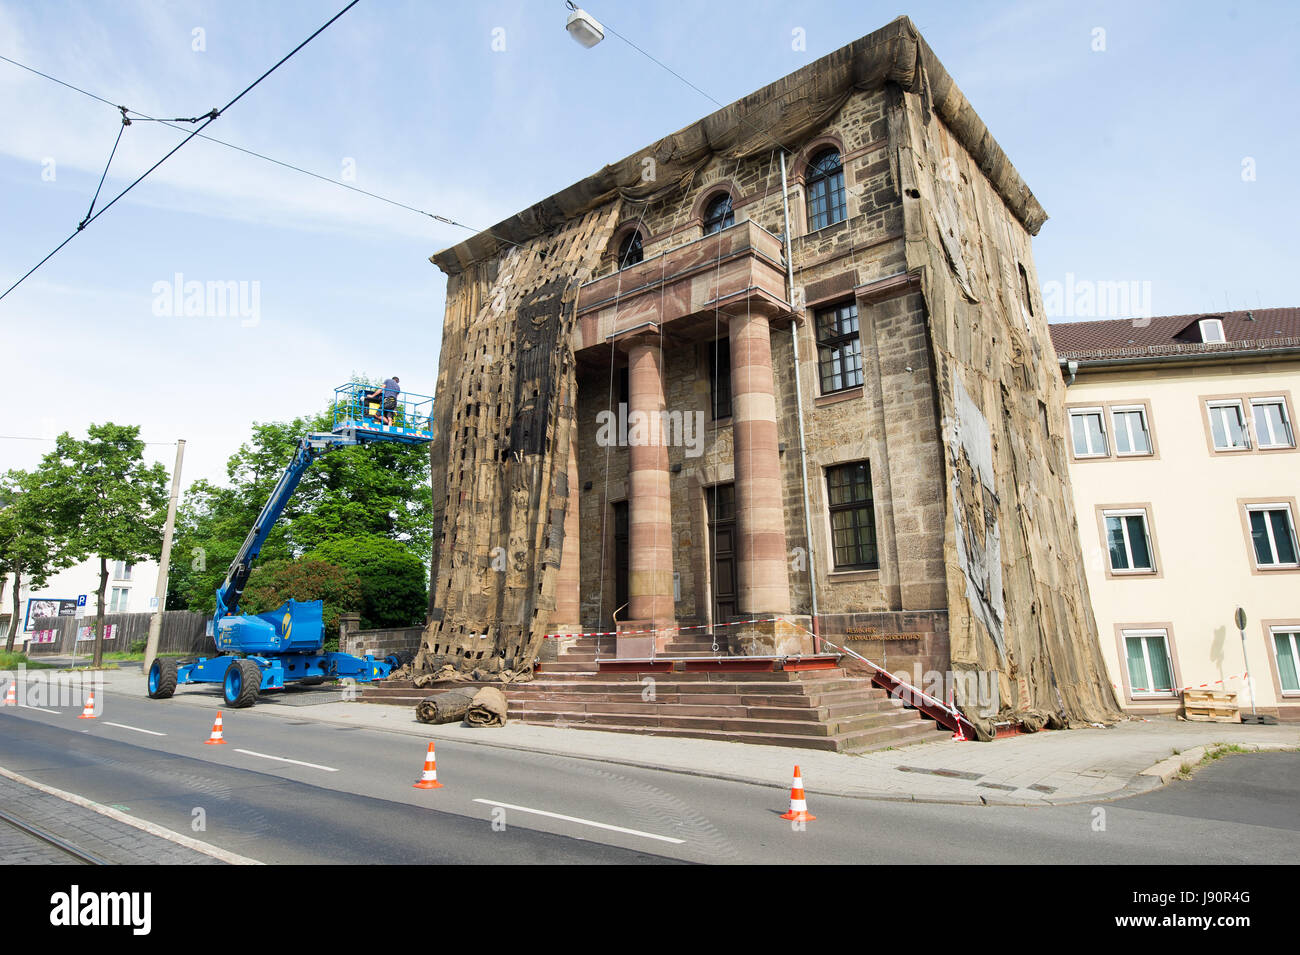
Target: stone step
806,728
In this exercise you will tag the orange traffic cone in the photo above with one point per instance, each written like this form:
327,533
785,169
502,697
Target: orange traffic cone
11,698
216,739
88,711
429,778
798,805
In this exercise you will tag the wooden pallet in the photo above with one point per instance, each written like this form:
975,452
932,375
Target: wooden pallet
1211,706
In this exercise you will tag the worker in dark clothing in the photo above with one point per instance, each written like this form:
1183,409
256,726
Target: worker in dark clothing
386,397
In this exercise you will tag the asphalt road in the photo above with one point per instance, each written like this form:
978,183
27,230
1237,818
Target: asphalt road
349,798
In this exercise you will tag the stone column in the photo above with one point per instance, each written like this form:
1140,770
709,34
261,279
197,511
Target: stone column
568,612
763,581
650,528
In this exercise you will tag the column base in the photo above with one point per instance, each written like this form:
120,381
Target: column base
789,635
632,644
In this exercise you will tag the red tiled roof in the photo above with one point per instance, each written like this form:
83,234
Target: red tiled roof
1259,329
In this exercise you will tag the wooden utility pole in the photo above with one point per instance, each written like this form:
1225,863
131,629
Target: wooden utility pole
160,592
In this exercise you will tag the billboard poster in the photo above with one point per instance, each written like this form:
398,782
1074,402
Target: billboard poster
48,607
88,633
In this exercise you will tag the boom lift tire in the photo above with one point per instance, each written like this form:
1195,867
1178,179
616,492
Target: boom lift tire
242,683
162,678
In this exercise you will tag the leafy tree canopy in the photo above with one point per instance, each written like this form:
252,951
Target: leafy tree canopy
394,582
376,491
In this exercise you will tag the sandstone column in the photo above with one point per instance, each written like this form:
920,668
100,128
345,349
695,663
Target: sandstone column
650,529
763,581
567,614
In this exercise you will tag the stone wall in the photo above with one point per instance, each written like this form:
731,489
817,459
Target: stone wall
376,643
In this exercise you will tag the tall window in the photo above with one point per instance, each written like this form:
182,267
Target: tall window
1128,542
122,570
1131,433
853,516
1272,426
718,214
720,378
1228,426
1150,669
1088,426
117,600
630,250
825,187
1272,532
1286,645
839,349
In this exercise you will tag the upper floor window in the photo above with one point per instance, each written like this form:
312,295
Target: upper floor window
1131,433
122,570
718,214
839,348
1272,425
1211,330
630,250
1128,541
825,187
853,516
1228,426
1088,426
1272,532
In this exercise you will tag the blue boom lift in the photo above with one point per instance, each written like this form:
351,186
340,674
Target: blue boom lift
267,650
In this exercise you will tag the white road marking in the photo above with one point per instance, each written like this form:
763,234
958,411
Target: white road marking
582,822
41,708
136,728
286,759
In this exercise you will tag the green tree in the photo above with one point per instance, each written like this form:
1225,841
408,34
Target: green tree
114,503
33,540
272,583
394,582
380,490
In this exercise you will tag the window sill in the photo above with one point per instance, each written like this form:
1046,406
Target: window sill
837,396
852,576
1277,568
1140,572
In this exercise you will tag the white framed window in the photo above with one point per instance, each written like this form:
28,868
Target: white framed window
122,570
1088,426
117,601
1212,330
1128,542
1150,667
1272,424
1272,533
1132,435
1286,651
1228,426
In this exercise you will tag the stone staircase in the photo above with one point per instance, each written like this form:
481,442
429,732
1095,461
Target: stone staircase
824,709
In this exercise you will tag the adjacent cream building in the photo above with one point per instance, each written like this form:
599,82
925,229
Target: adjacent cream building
1185,474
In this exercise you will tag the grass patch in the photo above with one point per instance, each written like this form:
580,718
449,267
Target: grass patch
12,661
127,656
1219,750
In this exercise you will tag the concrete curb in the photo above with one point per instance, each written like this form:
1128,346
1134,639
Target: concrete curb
1169,768
1142,782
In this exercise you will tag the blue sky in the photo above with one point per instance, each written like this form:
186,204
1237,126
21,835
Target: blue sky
1135,150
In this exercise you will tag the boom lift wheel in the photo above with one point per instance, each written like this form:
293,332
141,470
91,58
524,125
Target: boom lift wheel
242,682
162,678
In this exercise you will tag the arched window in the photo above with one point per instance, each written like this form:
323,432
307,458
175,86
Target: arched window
825,188
718,214
630,250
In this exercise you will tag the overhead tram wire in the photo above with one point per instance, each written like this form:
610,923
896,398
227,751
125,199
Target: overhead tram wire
212,118
138,116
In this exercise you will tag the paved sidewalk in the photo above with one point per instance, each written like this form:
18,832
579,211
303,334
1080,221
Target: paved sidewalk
1047,768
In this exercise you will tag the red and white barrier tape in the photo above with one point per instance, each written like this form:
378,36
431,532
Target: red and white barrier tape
701,626
1183,689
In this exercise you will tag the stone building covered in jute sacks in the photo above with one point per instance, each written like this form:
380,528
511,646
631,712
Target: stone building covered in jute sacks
646,422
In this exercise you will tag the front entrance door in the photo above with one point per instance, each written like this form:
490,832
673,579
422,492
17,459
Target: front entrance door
721,501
